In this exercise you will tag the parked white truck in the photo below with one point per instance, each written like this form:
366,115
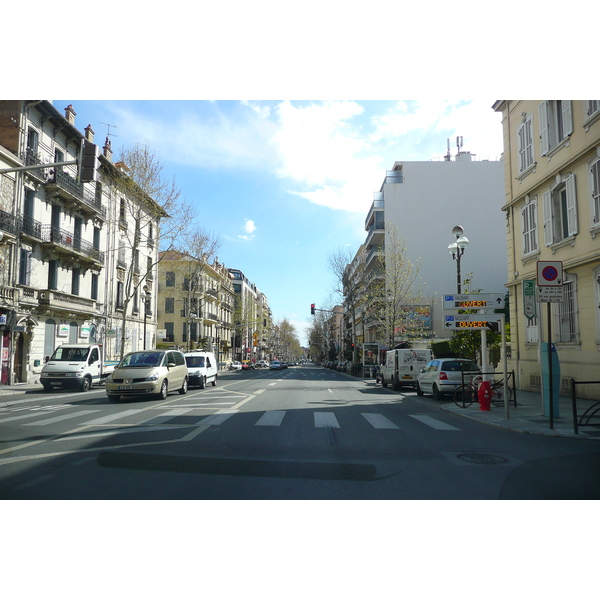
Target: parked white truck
75,366
401,367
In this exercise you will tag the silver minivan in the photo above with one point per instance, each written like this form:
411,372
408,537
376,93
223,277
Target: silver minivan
148,372
443,375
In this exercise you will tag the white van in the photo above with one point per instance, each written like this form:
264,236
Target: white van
202,368
402,366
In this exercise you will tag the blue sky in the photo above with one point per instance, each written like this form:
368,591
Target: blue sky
285,183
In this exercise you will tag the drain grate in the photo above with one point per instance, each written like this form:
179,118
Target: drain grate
482,459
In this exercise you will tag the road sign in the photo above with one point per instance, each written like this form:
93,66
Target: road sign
470,321
529,301
476,301
549,273
550,293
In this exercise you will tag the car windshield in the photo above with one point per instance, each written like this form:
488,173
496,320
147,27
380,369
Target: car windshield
70,354
194,361
462,365
143,359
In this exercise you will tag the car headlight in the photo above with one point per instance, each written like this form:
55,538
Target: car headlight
152,377
109,379
194,373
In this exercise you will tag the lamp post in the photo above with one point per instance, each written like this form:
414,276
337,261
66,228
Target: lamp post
457,249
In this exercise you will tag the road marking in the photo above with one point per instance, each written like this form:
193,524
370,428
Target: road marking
434,422
176,412
271,418
259,392
324,419
329,391
379,421
61,418
109,418
218,418
125,429
273,383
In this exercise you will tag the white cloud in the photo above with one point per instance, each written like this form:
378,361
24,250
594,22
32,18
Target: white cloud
249,226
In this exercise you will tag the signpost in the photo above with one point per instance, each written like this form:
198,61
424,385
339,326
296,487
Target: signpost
549,290
474,301
529,300
471,321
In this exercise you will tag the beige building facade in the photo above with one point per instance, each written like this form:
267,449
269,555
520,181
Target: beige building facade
552,207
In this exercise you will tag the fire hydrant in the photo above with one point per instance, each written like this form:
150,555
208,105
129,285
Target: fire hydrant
484,395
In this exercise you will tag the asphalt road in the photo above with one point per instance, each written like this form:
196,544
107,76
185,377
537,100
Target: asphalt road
302,433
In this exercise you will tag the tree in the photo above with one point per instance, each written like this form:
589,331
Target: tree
393,290
151,215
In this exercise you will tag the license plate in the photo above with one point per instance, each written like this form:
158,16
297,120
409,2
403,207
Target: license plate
127,387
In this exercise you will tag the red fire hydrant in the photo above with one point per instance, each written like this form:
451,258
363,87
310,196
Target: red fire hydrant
484,395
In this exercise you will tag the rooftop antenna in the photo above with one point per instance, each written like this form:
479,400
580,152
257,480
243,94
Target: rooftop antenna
459,143
108,125
448,157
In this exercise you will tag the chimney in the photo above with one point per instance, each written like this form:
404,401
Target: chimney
70,114
89,134
107,149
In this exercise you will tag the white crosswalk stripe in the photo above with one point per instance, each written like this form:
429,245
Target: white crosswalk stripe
427,420
379,421
271,418
326,419
74,415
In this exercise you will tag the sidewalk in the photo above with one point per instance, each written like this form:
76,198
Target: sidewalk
528,416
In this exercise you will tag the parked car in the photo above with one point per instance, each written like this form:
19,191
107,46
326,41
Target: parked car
202,368
443,375
247,365
275,364
148,372
262,364
235,365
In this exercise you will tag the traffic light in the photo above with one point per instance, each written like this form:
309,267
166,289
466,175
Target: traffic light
312,309
90,162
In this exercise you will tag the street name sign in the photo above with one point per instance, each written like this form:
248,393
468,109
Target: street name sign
474,301
529,301
470,321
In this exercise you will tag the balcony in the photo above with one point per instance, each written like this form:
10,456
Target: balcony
8,223
377,205
31,158
65,186
31,228
375,234
59,239
374,252
67,303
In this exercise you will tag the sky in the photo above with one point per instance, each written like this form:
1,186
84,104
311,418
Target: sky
285,183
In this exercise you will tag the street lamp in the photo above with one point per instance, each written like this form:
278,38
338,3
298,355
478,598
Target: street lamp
457,249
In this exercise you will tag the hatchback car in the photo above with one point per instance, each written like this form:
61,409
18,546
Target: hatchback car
236,365
443,375
148,372
275,364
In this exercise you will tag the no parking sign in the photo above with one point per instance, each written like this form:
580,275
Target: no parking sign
549,273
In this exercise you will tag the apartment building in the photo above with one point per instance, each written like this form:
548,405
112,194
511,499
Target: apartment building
417,206
195,305
253,320
70,272
552,207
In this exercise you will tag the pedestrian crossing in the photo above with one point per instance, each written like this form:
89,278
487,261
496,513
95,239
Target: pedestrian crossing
137,420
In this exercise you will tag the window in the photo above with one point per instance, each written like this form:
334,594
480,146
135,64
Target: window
75,279
560,211
25,267
94,291
593,106
525,136
532,332
120,295
566,327
556,123
53,275
32,141
169,305
170,279
529,219
170,328
595,191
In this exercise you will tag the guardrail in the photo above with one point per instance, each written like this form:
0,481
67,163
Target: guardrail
590,413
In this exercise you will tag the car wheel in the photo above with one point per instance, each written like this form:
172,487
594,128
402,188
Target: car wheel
437,395
214,381
164,390
86,384
184,388
383,383
202,382
420,392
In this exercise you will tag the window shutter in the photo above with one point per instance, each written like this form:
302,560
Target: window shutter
567,117
525,220
521,137
547,205
543,113
571,205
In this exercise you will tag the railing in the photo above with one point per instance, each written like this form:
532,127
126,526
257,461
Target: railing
67,239
31,227
76,190
9,293
8,222
590,413
55,299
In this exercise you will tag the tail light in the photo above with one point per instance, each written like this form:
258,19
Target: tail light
443,376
